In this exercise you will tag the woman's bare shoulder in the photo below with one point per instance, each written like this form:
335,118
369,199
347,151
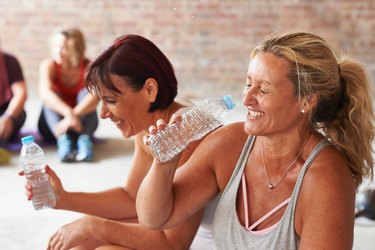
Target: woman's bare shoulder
328,180
225,141
230,132
330,166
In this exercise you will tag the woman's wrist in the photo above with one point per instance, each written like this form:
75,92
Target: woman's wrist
70,115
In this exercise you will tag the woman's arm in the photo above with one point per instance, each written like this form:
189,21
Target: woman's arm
127,234
325,210
155,197
73,120
115,203
14,109
17,103
168,196
89,231
86,106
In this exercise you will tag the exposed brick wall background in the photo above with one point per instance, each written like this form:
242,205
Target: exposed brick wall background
208,41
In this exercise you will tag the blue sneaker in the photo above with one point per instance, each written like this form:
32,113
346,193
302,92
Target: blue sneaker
65,148
85,148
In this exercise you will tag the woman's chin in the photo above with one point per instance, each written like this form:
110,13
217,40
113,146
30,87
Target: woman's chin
249,129
126,135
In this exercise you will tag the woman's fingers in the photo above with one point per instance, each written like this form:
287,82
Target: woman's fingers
175,118
152,129
161,124
29,191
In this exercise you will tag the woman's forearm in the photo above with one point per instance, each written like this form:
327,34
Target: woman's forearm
87,105
17,103
53,101
112,204
128,234
155,196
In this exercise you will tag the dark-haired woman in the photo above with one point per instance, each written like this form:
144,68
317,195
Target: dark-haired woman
137,86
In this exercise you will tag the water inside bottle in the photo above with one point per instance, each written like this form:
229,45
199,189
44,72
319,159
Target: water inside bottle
43,195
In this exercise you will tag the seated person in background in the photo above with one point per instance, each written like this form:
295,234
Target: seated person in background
69,112
13,95
288,174
137,86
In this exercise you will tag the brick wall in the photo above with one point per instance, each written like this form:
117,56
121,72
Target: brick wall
208,41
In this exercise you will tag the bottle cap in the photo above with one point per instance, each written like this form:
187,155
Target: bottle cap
229,102
27,139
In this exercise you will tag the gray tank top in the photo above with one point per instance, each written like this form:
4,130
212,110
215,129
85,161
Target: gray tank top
228,232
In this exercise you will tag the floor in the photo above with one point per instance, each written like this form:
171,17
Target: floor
23,228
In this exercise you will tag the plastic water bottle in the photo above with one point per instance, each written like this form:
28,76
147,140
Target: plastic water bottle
195,124
32,161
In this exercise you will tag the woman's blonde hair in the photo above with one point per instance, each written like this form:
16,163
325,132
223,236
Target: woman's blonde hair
344,112
76,44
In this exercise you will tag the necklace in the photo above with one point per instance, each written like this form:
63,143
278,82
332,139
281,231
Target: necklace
273,185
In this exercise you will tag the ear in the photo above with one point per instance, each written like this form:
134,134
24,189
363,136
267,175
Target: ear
151,86
309,102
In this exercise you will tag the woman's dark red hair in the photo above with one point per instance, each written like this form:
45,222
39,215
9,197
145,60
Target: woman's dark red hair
134,59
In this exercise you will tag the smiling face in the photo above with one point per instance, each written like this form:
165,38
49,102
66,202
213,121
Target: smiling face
270,97
128,110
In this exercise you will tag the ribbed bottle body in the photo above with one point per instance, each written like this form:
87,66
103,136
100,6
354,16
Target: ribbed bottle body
195,124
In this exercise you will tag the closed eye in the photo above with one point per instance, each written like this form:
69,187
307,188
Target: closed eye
261,90
109,100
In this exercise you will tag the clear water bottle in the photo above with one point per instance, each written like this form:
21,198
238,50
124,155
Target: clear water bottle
32,161
195,124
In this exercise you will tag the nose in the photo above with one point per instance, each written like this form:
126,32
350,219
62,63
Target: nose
249,95
104,112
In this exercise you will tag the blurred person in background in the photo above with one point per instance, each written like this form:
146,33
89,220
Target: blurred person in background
13,95
68,114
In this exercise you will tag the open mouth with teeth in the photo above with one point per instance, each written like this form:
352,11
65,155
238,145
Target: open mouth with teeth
254,114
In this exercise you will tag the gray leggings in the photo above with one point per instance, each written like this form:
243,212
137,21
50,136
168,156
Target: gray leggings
49,118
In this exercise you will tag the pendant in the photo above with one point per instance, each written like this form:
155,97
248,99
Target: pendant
270,186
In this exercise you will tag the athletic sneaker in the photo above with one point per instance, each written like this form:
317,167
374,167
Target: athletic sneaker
65,148
84,148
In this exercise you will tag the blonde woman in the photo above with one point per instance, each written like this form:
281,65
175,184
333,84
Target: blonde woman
288,174
69,111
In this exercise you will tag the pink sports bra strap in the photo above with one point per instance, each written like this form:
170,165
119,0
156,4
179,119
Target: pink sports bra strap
282,204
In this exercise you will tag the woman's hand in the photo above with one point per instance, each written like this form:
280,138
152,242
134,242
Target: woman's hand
72,122
74,234
56,184
161,125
